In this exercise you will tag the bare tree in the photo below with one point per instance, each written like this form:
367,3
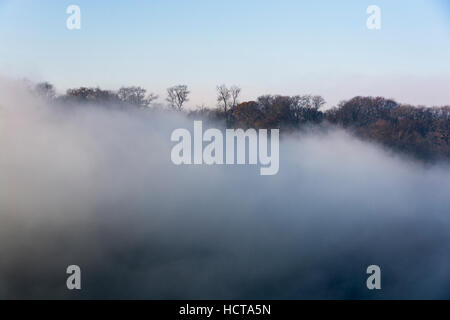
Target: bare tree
305,101
305,107
317,102
296,106
223,97
235,91
151,97
136,96
228,99
177,96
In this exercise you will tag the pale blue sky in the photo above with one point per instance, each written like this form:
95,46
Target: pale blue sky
265,46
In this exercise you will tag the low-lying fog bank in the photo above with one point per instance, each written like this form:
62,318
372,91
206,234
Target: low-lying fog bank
96,188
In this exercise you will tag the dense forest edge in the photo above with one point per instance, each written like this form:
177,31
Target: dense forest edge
418,131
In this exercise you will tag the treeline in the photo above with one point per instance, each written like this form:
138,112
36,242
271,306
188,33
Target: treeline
415,130
124,97
419,131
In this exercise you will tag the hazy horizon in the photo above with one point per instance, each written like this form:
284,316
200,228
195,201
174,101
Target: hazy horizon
284,47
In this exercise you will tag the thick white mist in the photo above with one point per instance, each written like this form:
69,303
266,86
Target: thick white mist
96,187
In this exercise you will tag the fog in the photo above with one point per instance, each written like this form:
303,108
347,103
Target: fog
95,187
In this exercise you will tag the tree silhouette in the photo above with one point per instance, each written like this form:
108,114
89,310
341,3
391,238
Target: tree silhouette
177,96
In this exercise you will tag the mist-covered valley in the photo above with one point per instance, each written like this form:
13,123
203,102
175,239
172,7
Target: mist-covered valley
95,187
